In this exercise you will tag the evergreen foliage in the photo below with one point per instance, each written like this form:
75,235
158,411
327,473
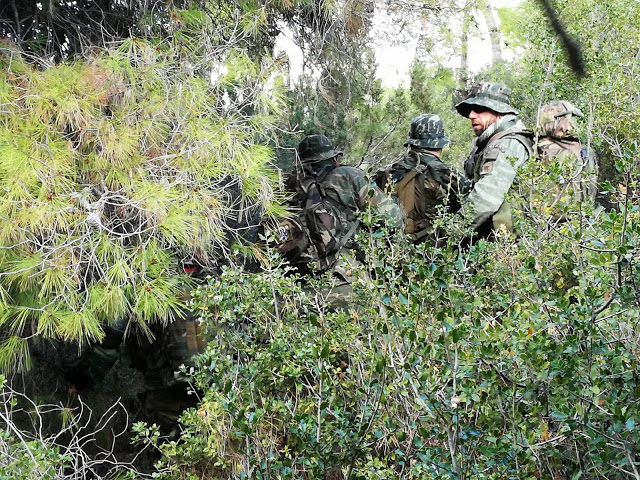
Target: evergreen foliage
114,172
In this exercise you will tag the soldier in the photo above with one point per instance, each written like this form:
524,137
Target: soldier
501,147
559,141
422,182
329,196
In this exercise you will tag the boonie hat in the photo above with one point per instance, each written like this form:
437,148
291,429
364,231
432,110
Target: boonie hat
494,96
558,119
315,148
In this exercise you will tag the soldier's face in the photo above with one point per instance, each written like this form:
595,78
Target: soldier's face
481,118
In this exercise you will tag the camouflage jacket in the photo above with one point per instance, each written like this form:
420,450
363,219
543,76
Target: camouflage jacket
343,191
348,187
495,158
442,186
578,166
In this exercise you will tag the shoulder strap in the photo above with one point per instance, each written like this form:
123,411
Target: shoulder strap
305,182
520,136
349,234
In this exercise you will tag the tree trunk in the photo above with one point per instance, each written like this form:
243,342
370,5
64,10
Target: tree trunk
489,13
464,49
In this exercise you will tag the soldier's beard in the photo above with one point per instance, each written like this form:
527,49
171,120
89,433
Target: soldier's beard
491,129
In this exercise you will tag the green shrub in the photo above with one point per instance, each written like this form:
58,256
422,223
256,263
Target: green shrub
515,359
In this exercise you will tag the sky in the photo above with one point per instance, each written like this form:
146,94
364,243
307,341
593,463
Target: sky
395,51
394,60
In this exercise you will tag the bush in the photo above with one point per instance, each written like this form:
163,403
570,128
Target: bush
515,359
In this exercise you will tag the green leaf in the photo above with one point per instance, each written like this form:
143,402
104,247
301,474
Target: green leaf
631,424
313,319
381,363
456,334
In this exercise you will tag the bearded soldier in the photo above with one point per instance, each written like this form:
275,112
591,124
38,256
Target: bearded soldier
502,145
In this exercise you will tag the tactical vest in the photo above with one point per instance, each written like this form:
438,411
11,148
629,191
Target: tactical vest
578,178
489,152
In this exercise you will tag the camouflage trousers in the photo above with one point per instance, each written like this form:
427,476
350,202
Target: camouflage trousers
183,341
339,293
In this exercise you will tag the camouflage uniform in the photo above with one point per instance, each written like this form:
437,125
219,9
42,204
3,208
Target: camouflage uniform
346,191
495,157
558,141
441,184
345,187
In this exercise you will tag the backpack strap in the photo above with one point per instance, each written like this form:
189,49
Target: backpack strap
306,182
523,137
349,234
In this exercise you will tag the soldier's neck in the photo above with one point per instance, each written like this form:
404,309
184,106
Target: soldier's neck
436,152
499,125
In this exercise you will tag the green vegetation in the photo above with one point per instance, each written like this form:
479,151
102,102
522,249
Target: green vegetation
155,149
114,172
510,360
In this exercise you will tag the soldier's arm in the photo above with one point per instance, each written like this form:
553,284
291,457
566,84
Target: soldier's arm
496,177
452,179
457,189
369,194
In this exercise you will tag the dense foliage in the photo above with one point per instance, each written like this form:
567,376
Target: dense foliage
514,359
115,173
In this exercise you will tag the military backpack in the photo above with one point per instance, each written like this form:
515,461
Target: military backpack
572,166
422,184
318,232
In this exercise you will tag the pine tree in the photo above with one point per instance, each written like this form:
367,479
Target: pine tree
115,169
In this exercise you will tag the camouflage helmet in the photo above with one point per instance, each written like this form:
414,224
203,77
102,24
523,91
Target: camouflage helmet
494,96
315,148
558,119
427,131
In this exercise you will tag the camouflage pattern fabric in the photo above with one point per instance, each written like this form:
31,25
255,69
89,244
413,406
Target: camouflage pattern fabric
495,158
493,96
427,131
558,120
348,191
324,223
422,183
339,294
293,242
344,191
184,340
560,149
315,148
578,180
348,187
